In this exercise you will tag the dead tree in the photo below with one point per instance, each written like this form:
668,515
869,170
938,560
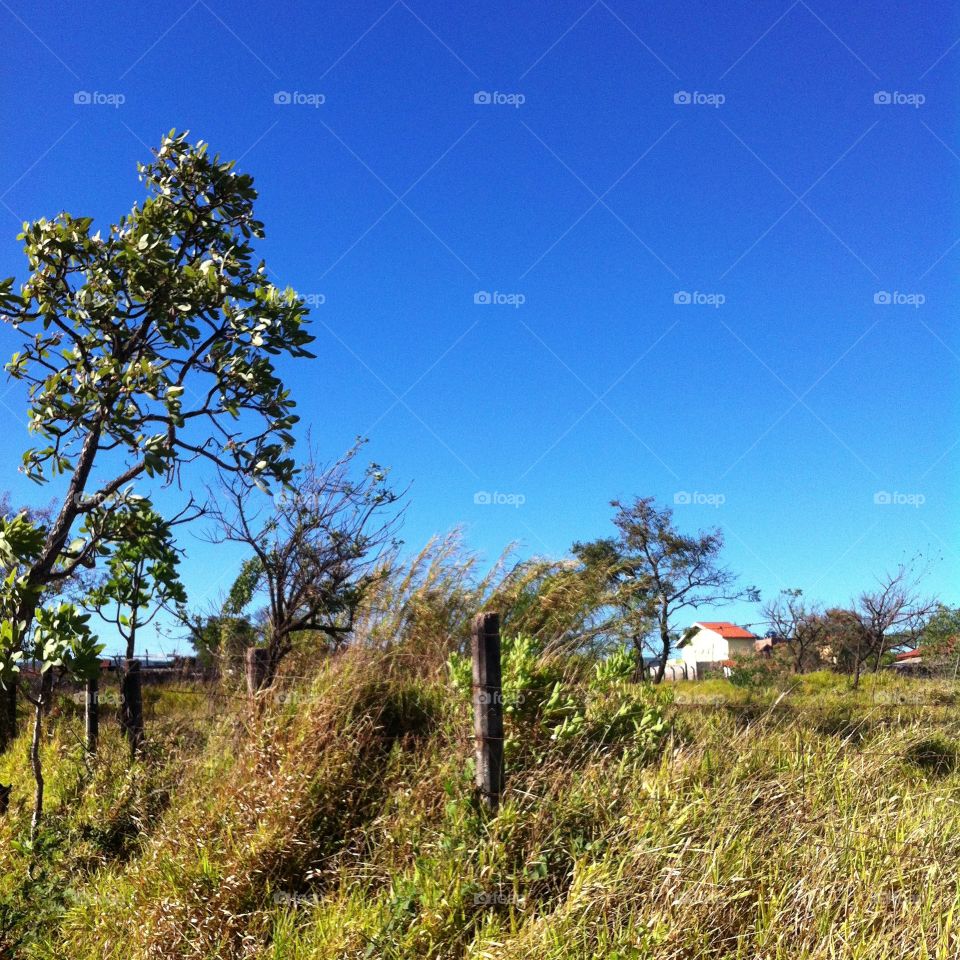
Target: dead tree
315,551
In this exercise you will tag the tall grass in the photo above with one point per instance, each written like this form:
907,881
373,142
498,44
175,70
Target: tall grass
335,816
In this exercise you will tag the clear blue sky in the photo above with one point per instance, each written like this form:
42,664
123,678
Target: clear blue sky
777,196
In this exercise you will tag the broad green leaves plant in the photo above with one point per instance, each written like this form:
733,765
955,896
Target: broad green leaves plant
543,706
63,639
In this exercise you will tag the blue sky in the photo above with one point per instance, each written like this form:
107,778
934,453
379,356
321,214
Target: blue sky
683,217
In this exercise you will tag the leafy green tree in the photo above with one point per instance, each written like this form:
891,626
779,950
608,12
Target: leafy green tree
939,641
656,571
141,579
145,347
142,574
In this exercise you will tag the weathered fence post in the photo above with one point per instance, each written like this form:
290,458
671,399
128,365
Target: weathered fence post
487,706
91,716
131,707
256,661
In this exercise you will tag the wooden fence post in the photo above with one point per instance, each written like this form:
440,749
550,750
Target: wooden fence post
256,661
91,716
487,706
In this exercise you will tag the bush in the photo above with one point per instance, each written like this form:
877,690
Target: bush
542,706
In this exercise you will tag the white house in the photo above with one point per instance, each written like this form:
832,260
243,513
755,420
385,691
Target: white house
715,642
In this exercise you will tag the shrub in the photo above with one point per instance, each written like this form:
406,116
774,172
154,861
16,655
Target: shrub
544,706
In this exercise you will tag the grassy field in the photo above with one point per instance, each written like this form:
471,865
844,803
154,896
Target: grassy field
336,819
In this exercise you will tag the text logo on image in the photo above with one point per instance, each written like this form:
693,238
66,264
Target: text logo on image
699,299
299,99
898,99
85,98
698,99
495,297
496,98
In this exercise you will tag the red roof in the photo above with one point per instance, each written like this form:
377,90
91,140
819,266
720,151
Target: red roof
729,631
908,655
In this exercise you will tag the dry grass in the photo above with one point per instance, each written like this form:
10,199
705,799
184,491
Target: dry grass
335,818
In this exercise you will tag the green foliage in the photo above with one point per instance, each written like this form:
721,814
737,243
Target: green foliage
141,570
152,335
544,704
941,634
753,671
21,540
62,639
244,587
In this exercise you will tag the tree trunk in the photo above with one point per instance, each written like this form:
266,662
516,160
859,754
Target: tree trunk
876,668
856,668
92,716
46,688
8,713
664,648
131,707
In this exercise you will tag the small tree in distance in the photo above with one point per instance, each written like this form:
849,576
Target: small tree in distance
893,606
315,553
657,571
798,627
